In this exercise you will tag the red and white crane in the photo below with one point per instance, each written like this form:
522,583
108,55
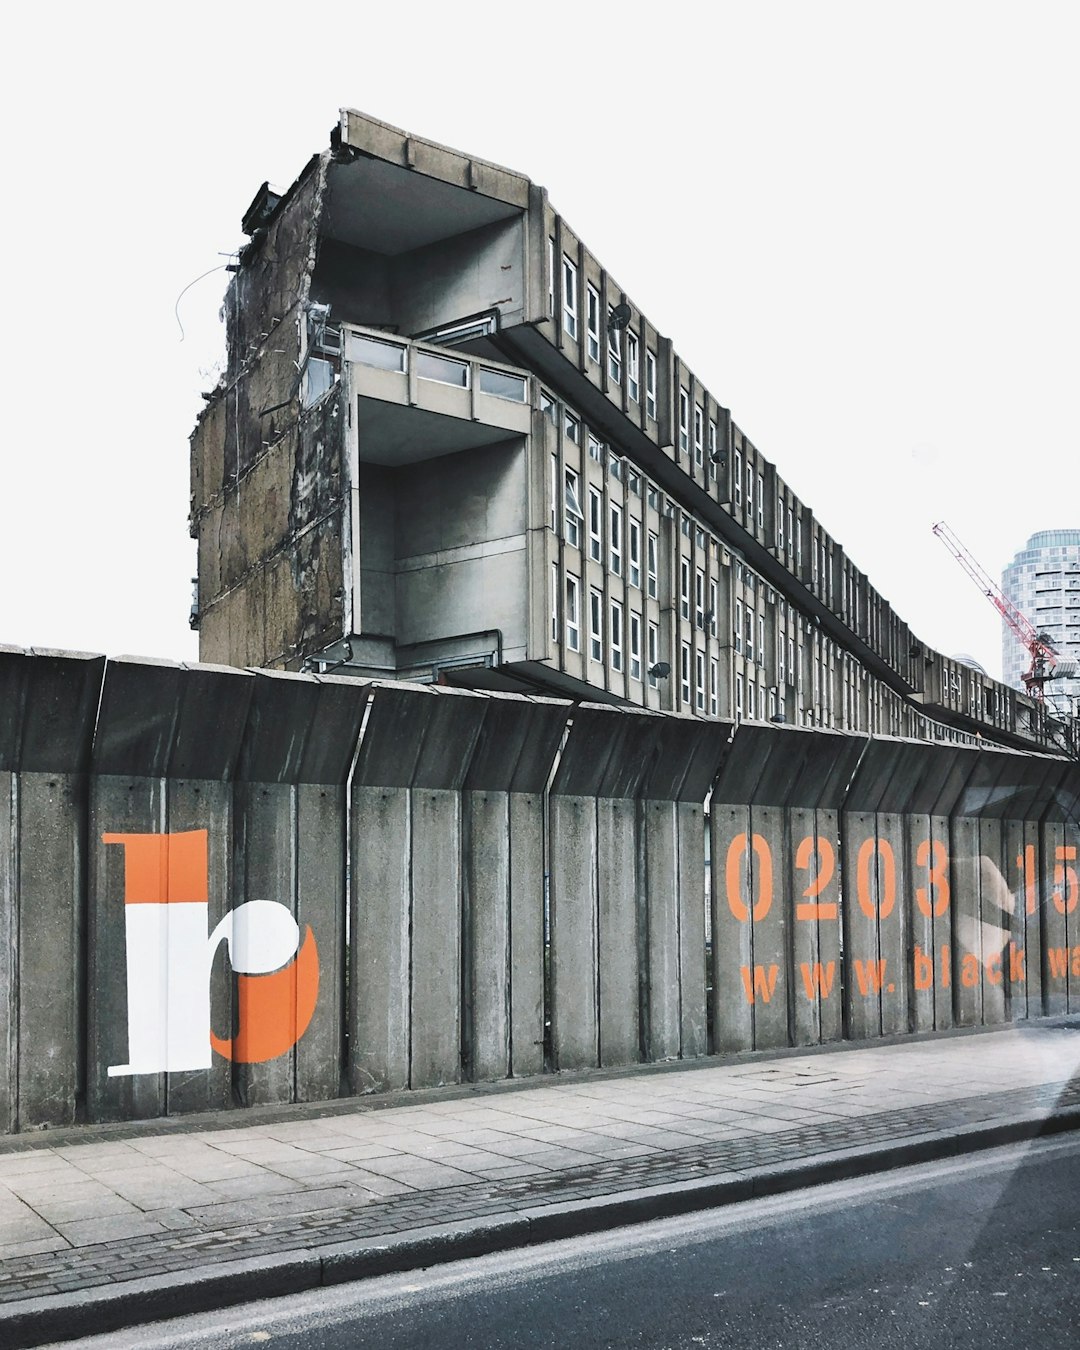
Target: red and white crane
1043,657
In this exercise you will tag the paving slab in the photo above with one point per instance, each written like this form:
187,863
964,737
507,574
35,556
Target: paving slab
320,1193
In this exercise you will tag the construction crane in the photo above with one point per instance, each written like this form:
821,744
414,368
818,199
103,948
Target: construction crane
1044,658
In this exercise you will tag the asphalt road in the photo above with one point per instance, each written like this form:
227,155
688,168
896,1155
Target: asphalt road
983,1252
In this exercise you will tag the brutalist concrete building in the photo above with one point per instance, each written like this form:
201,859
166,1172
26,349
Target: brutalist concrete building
450,447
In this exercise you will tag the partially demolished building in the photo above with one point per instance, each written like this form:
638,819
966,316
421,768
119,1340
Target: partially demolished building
449,447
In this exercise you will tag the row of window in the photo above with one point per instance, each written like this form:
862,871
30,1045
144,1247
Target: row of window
595,342
623,641
394,356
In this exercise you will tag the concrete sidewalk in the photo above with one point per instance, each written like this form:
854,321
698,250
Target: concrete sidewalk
113,1225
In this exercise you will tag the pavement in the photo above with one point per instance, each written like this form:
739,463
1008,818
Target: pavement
108,1226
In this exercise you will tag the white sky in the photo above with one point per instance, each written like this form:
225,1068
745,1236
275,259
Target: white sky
858,221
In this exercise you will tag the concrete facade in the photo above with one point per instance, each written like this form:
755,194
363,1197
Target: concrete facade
448,447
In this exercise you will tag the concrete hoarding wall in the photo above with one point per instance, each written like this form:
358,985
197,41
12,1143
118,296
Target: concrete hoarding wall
221,888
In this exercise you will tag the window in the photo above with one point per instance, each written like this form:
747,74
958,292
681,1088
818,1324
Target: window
714,688
650,383
749,490
554,602
442,369
569,297
372,352
549,407
635,551
684,671
684,588
596,450
738,698
713,454
635,646
554,517
592,319
699,436
736,631
749,633
573,613
798,543
651,563
699,659
780,659
780,523
596,516
502,385
750,699
633,365
572,428
699,598
684,422
596,625
761,638
572,508
615,540
713,605
551,276
761,501
738,478
790,530
654,647
614,351
616,635
791,659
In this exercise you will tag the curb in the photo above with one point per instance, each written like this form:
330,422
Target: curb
209,1288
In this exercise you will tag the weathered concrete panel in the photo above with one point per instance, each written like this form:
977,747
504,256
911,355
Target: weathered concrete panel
617,935
486,1012
966,947
693,1009
44,898
527,829
380,953
663,1023
928,900
995,921
435,1055
573,892
893,888
812,849
767,984
860,908
733,900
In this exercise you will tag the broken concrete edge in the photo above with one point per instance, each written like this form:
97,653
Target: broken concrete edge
223,1284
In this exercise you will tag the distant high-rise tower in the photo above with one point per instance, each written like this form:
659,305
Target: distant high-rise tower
1043,581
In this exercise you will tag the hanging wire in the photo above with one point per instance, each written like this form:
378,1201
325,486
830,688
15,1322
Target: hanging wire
221,267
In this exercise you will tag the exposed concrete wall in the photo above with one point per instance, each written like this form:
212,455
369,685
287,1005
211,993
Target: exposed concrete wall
175,842
266,474
462,520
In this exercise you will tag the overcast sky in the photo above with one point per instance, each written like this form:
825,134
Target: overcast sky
859,222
